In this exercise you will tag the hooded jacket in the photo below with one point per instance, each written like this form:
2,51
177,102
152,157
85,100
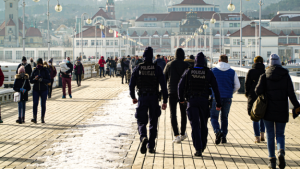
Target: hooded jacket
18,84
161,63
227,79
78,68
101,62
174,70
251,81
276,83
43,73
68,73
1,77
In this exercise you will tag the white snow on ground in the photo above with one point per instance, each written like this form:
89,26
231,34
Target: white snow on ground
102,137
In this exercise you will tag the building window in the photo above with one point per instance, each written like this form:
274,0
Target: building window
9,38
116,42
227,51
269,53
237,42
92,42
217,25
11,16
251,41
167,24
166,42
282,41
107,42
145,42
10,5
31,40
155,42
293,40
8,54
284,18
253,54
227,41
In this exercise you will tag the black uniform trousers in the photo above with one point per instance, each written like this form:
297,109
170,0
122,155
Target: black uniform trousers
173,101
148,103
198,114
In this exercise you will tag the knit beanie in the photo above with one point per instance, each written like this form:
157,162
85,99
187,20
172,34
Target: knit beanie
51,60
148,54
21,69
24,58
274,60
192,57
40,61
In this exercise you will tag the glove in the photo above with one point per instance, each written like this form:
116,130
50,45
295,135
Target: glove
40,79
296,112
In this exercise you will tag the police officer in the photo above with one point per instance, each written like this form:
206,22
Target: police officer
147,77
194,87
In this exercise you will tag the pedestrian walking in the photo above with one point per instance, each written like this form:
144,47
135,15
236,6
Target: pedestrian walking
32,63
112,67
67,79
160,62
125,66
78,70
101,65
39,78
1,83
173,72
194,90
28,68
53,73
277,86
22,85
147,77
228,83
258,68
136,62
190,60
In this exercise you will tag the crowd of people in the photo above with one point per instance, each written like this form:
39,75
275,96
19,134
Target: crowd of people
204,93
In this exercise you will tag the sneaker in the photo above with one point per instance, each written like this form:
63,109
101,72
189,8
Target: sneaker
224,140
183,137
19,121
218,137
177,140
64,96
281,159
144,145
70,96
151,150
198,153
272,163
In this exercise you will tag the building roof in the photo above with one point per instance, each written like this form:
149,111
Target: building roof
33,32
145,33
192,2
2,32
166,34
281,33
11,23
250,31
291,16
102,13
206,15
158,16
2,25
292,33
155,34
134,34
21,25
90,32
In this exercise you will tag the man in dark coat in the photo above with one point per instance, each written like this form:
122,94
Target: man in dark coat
194,86
28,68
125,63
160,62
78,70
173,72
53,73
66,79
112,67
190,61
147,77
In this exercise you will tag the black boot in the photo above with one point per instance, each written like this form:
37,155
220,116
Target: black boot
144,145
151,150
281,159
19,120
272,163
198,153
43,119
219,136
34,119
23,119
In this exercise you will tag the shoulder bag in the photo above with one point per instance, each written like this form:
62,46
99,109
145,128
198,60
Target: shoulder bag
259,108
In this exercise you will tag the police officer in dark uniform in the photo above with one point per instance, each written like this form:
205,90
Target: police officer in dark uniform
147,77
194,86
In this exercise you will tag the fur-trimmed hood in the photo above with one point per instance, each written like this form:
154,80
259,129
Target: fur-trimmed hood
18,76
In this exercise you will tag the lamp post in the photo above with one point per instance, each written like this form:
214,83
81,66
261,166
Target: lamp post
119,36
96,54
231,7
101,28
200,31
259,49
74,34
112,31
213,21
205,27
88,21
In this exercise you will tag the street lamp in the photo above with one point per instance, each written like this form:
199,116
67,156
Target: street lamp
231,8
119,35
96,55
213,21
200,31
58,8
88,21
204,27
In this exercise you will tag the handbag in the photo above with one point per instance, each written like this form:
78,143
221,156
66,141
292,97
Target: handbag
17,95
259,108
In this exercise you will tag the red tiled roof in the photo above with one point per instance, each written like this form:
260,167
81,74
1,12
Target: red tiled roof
2,32
159,17
206,15
11,23
228,33
166,33
278,18
250,31
90,32
33,32
134,34
292,33
145,33
2,25
102,13
21,25
192,2
281,33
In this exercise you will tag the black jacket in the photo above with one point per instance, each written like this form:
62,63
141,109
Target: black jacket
43,73
161,63
125,66
251,81
191,62
80,67
278,86
173,72
28,68
112,64
69,72
18,84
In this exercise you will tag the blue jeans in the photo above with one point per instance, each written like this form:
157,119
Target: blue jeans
21,107
273,127
36,96
214,116
102,70
111,71
259,127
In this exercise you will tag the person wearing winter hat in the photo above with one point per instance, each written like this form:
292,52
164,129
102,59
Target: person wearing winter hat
22,85
173,72
28,68
40,78
190,60
147,77
53,73
194,89
277,86
79,70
